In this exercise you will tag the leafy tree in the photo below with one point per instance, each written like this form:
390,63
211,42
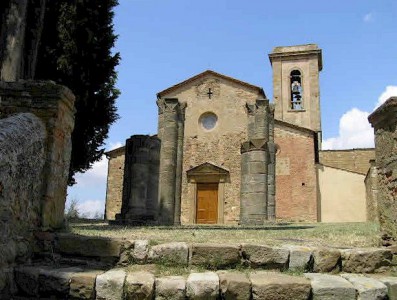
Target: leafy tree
72,211
75,51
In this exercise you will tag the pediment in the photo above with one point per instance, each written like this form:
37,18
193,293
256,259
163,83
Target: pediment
212,76
207,169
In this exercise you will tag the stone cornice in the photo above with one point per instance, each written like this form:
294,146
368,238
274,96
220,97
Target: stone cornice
279,53
386,112
254,145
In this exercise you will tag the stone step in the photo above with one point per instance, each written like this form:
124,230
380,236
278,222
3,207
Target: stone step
46,282
101,251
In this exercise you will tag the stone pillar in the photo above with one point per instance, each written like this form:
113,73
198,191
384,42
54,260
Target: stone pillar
153,184
371,188
54,105
253,194
169,111
179,165
257,183
271,169
140,180
384,122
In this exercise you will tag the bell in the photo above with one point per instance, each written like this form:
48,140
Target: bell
295,87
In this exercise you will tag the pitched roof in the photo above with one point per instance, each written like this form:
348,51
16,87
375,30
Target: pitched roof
206,73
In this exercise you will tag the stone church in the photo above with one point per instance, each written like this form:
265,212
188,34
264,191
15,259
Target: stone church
225,155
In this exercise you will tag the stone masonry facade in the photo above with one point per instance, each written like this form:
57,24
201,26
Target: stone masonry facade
384,122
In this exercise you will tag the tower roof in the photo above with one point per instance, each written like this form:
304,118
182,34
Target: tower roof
298,51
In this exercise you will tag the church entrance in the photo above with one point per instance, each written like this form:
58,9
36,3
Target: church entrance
207,203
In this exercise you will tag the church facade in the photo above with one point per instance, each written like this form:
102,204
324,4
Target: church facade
225,155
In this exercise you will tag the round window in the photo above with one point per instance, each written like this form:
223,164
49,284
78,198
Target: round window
208,120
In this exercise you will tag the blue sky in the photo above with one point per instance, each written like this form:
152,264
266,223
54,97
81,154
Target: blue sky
163,42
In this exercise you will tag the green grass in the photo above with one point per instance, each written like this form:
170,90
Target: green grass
340,235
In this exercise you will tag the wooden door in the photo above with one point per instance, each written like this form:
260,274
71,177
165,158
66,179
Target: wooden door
207,203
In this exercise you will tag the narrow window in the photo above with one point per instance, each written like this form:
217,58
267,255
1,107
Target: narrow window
296,90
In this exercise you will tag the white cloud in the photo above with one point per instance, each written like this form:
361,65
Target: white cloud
115,145
354,132
91,208
354,129
369,17
391,90
98,173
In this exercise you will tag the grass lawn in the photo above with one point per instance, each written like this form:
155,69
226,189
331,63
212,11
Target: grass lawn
340,235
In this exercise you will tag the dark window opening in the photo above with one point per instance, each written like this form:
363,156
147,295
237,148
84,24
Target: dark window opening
296,90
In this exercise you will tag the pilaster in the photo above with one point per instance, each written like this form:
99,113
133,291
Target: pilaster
169,109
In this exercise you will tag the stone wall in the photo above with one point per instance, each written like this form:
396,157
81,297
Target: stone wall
22,158
354,160
114,188
54,105
296,179
384,122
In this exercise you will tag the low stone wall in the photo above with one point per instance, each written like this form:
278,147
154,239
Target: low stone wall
76,283
22,158
222,277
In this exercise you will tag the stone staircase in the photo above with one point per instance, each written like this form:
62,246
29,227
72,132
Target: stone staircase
68,266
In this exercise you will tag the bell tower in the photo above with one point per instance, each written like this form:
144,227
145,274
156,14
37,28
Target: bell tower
296,89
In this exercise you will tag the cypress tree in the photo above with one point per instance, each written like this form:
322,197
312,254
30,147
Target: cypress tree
75,51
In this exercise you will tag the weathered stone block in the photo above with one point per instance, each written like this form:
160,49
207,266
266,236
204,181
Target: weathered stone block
299,257
89,246
126,254
215,255
170,253
82,285
234,285
326,260
330,287
170,288
391,283
202,286
367,288
110,285
139,286
260,256
55,282
140,252
366,260
276,286
27,280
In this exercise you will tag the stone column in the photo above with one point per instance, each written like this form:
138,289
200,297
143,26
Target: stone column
153,184
140,180
256,182
169,109
54,104
179,164
253,192
271,169
384,122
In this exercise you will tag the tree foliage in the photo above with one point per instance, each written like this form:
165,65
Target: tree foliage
75,51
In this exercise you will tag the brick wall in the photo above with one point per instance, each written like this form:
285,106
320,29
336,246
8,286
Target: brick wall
296,180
